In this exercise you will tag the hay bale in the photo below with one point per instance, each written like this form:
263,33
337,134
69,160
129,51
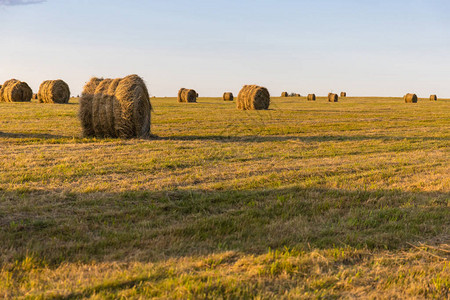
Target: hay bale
332,97
187,95
85,110
54,91
311,97
228,96
14,90
433,98
410,98
343,94
253,97
118,108
284,94
35,97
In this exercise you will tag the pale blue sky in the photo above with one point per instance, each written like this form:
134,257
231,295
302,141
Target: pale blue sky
365,47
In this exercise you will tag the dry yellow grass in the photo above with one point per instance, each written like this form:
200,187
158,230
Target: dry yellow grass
305,200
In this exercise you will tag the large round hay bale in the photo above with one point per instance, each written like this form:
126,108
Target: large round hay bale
119,108
14,90
85,110
343,94
284,94
311,97
54,91
332,97
134,100
228,96
35,97
410,98
187,95
253,97
433,98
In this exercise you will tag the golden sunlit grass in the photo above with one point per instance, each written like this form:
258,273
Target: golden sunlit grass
305,200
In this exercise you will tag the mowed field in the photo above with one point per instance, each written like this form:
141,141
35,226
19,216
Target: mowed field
305,200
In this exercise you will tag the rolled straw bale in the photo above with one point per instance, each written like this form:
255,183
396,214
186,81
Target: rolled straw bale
187,95
14,90
228,96
134,100
284,94
433,98
253,97
54,91
332,97
311,97
410,98
343,94
35,97
85,110
117,108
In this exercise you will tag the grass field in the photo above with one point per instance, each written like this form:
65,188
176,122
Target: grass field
305,200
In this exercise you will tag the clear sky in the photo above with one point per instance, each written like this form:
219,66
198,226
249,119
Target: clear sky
364,47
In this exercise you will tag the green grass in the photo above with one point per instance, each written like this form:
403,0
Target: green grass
305,200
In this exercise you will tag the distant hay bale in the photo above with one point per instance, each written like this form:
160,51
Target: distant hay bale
187,95
311,97
116,108
253,97
14,90
410,98
228,96
332,97
35,97
433,98
54,91
284,94
343,94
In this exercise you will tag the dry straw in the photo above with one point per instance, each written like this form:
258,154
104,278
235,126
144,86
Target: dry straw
433,98
228,96
332,97
187,95
343,94
15,90
284,94
311,97
85,112
253,97
410,98
35,96
115,108
54,91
